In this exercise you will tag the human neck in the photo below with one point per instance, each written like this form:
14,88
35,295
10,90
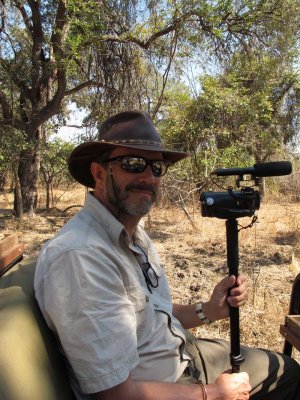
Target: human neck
130,223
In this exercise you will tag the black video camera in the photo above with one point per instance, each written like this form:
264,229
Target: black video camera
242,203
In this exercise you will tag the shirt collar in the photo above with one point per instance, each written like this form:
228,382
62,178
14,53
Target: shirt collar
104,217
109,222
114,229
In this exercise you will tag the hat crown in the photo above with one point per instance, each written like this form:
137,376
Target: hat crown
131,127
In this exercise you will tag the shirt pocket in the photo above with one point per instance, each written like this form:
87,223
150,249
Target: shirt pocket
144,311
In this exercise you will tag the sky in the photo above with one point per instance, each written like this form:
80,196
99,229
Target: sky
71,133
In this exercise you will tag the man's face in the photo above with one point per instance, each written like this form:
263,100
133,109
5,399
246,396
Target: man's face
130,193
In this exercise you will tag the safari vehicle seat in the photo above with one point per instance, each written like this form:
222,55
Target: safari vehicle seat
31,367
290,330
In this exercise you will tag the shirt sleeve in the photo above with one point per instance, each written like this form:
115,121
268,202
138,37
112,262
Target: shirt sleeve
87,305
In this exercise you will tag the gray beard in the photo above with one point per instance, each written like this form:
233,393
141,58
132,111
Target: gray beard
136,210
119,200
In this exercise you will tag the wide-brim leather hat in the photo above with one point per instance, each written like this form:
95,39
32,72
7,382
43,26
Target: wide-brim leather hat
129,129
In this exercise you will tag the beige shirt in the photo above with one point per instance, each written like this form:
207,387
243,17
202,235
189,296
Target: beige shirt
93,295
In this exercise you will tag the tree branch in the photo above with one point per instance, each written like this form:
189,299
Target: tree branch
25,17
81,86
173,25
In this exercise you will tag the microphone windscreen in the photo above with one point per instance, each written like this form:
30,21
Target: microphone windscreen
277,168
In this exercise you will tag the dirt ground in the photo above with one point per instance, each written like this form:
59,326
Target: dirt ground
193,251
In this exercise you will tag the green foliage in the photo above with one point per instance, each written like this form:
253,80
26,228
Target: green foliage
12,142
54,168
245,115
265,88
54,161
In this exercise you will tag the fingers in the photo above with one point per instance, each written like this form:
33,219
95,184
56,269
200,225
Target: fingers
243,379
227,283
244,396
238,300
240,279
237,284
238,294
234,386
230,291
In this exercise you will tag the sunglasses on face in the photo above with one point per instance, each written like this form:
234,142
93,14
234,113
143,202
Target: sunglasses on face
137,165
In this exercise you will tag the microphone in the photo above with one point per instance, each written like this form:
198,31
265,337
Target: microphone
276,168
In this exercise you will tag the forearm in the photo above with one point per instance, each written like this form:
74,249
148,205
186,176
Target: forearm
188,317
228,291
148,390
226,387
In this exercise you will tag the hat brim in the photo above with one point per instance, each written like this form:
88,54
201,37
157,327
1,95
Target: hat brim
81,157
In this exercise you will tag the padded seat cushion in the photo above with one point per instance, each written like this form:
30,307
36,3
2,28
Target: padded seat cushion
31,366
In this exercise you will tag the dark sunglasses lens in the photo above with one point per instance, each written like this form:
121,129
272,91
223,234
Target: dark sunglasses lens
159,168
133,164
150,276
138,164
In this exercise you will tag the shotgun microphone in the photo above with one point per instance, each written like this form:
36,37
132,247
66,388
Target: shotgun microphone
276,168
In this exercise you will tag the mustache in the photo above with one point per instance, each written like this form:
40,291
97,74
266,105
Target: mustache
142,187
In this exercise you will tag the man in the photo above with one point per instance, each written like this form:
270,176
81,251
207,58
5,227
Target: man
102,290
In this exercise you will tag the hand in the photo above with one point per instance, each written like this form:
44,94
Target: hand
218,305
230,387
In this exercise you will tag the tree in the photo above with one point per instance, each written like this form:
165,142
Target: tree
52,50
54,166
12,143
253,106
245,115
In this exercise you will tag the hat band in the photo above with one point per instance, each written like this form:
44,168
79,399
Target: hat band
134,141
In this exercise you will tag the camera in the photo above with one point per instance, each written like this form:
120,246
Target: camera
231,204
244,202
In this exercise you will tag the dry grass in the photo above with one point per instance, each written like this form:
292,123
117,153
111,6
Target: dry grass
195,258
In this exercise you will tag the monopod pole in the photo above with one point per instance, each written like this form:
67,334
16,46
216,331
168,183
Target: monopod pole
236,358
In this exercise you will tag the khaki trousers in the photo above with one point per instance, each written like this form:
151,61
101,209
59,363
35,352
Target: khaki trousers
273,376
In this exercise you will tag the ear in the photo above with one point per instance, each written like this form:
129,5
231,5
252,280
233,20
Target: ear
98,173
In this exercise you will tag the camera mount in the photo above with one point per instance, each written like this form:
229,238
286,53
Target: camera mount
231,205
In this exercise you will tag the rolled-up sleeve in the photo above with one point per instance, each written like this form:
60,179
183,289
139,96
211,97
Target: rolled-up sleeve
86,304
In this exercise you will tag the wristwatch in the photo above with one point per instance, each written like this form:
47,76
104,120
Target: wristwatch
201,314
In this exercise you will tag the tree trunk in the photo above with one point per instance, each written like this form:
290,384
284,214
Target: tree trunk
28,173
2,181
18,204
48,186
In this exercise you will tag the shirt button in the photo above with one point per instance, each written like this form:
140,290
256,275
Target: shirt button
147,299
